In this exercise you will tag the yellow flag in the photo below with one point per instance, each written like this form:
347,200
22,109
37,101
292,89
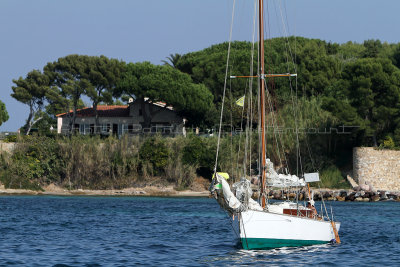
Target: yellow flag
240,101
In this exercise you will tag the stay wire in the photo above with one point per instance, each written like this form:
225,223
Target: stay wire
225,82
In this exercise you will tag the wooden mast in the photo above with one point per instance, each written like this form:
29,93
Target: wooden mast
262,95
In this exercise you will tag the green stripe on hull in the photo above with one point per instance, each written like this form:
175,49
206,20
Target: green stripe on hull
268,243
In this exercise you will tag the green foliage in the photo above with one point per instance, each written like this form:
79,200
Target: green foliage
172,60
3,113
388,143
11,138
32,91
76,75
163,83
331,177
200,152
154,151
34,162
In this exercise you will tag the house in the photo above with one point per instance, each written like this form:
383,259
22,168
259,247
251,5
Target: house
139,116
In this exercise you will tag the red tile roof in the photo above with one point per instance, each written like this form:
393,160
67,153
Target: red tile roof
103,111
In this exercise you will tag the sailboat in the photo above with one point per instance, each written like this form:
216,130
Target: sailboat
262,224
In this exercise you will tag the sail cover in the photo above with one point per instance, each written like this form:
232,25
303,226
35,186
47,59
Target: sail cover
242,201
281,180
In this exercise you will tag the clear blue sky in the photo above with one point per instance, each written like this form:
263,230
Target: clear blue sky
34,32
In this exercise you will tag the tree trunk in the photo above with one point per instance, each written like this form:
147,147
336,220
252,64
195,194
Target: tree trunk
96,118
28,121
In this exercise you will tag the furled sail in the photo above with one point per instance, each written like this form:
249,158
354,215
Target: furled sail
281,180
238,202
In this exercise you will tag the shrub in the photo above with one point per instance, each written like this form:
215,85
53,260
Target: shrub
388,142
331,177
35,161
155,152
199,152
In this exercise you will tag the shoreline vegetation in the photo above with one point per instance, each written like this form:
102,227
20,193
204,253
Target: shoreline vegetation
95,163
140,166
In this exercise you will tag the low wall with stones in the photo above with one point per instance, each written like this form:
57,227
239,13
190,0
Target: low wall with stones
7,147
379,169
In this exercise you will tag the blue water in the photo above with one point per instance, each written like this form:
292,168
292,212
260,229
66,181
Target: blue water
144,231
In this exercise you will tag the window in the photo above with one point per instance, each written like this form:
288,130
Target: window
105,127
125,128
84,129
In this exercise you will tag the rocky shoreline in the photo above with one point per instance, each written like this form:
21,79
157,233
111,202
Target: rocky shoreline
356,194
338,195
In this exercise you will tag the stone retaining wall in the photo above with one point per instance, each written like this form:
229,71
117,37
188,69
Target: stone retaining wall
377,168
7,147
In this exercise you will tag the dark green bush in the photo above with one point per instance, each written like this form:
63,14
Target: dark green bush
154,152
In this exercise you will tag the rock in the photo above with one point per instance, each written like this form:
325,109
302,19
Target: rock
365,187
357,188
339,198
277,196
375,198
327,194
358,199
362,193
366,199
343,193
382,195
369,194
351,197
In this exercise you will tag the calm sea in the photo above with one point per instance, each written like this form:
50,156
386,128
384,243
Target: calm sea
147,231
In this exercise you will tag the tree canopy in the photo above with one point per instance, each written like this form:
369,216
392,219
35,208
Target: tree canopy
3,113
32,92
76,75
163,83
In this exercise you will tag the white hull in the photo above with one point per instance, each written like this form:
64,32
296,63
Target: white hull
260,229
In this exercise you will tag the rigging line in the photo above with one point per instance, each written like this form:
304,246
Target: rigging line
273,85
230,96
250,103
244,230
273,123
240,135
231,222
286,35
226,78
323,202
297,105
309,152
281,138
291,91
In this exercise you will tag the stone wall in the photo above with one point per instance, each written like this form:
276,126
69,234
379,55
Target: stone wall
7,147
377,168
